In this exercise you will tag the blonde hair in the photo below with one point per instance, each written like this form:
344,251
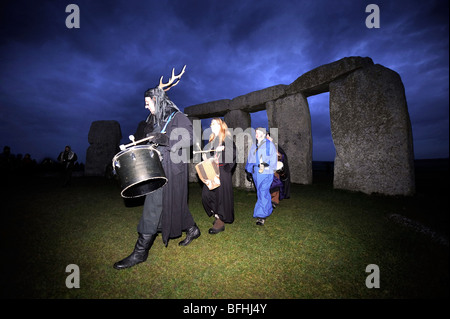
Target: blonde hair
223,132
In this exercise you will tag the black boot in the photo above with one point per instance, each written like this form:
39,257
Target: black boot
191,234
140,253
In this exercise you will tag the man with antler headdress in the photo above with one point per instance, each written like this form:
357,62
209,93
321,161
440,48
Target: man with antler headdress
165,209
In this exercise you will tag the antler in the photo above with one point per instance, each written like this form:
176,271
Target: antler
170,84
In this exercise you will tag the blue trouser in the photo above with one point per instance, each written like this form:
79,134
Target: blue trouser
263,207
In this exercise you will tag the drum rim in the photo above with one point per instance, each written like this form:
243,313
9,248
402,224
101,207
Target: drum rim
133,148
131,185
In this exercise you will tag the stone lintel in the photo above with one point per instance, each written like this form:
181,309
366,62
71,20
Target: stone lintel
209,109
317,80
256,101
251,102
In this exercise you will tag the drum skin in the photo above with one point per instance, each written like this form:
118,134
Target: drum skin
140,171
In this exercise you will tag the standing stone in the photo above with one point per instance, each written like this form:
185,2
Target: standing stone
372,133
240,122
290,115
104,137
369,123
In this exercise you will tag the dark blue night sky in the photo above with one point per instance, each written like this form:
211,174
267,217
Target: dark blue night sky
54,81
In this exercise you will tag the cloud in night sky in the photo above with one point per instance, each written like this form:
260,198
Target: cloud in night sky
55,81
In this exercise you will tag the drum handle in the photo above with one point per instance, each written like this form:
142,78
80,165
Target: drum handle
133,143
197,152
206,151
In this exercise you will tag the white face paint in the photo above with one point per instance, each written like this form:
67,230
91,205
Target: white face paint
215,127
150,104
259,135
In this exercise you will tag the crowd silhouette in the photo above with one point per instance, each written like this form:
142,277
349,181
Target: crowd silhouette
19,165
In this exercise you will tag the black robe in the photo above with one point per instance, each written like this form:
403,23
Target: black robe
220,200
283,184
175,216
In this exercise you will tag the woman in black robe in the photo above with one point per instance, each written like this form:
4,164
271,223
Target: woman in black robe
219,202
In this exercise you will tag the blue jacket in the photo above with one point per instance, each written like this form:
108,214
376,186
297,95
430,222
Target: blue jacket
265,152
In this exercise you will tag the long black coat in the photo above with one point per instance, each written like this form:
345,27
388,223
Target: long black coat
175,217
283,184
220,200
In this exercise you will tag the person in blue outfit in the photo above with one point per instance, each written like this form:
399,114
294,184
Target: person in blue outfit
260,166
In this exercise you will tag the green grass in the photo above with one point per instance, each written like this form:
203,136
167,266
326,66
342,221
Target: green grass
316,244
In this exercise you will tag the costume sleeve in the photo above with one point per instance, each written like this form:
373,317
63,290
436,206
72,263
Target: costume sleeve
269,156
140,131
180,133
250,159
210,146
228,156
273,158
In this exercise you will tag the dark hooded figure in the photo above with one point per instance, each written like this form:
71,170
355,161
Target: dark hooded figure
281,185
165,209
67,158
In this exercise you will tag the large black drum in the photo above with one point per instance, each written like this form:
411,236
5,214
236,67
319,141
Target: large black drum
140,171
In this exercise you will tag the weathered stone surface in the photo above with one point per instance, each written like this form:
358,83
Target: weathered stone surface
240,121
251,102
209,109
104,137
101,131
369,122
372,133
290,115
317,80
255,101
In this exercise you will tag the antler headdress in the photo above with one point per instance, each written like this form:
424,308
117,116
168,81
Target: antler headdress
167,86
164,106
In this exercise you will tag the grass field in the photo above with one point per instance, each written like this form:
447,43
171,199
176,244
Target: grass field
316,245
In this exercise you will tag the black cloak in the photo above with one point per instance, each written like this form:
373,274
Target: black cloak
175,216
220,200
283,184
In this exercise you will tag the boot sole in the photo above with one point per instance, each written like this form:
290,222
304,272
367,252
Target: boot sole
213,231
115,266
195,237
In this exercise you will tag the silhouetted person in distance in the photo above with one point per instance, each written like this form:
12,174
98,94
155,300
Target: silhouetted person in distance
6,158
27,166
67,158
7,163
